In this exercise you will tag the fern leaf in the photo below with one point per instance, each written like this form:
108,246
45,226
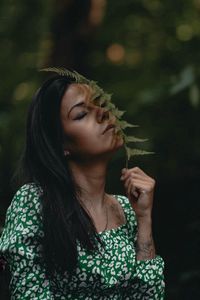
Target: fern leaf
106,97
59,71
124,124
134,139
132,152
118,113
80,78
95,97
94,86
110,106
64,72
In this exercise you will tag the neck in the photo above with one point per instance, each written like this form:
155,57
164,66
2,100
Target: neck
91,179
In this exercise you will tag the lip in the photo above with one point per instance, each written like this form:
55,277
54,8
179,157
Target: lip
109,126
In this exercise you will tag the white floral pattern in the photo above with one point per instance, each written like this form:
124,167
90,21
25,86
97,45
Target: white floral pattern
111,273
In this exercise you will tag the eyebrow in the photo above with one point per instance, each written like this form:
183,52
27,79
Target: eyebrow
81,104
77,104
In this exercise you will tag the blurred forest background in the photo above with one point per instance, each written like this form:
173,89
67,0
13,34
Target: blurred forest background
147,53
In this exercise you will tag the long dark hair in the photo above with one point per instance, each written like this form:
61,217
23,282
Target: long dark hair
64,220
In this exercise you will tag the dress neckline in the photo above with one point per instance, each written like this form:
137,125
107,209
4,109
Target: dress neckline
115,229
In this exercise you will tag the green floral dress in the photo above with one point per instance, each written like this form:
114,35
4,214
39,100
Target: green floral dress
111,273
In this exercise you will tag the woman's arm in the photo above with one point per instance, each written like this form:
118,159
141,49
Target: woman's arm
145,248
149,267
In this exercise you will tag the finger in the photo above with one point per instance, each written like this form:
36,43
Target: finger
141,177
124,174
135,170
137,176
132,190
127,181
142,186
149,184
138,182
129,185
127,175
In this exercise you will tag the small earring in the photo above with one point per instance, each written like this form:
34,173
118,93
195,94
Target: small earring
66,153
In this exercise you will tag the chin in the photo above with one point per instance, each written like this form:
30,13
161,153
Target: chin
120,141
119,144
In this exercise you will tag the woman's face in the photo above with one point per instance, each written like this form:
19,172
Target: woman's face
84,123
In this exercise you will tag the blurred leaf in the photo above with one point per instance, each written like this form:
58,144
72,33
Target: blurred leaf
194,95
187,78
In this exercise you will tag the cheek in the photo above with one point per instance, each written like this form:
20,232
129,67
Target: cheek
81,136
84,138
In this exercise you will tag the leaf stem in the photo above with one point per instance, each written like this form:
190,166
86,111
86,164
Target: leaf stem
126,164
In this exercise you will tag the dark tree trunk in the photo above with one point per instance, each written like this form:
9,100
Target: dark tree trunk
72,34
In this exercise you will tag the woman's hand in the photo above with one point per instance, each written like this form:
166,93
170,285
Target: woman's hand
140,190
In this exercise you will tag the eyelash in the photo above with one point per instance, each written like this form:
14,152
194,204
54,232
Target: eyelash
80,116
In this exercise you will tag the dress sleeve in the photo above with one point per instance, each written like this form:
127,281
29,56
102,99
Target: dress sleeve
149,274
20,244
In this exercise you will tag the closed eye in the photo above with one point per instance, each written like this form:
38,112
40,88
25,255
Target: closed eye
81,116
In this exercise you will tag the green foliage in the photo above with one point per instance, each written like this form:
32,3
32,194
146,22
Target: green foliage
23,32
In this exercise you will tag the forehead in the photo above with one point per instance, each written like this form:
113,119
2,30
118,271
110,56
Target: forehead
75,92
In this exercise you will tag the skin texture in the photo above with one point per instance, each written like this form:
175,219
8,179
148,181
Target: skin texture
89,152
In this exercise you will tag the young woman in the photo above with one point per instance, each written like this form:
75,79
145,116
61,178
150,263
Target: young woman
64,236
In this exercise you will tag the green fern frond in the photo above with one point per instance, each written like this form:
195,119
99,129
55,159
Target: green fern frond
132,152
110,106
80,78
106,97
124,124
95,96
64,72
118,113
94,86
134,139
